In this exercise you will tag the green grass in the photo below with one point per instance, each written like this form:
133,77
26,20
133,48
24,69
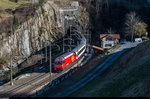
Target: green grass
62,0
4,4
117,87
114,48
135,75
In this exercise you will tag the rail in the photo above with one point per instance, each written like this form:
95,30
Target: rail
63,77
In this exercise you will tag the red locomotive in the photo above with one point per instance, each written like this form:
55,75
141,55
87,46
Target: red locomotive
64,61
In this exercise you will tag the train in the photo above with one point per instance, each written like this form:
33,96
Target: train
66,60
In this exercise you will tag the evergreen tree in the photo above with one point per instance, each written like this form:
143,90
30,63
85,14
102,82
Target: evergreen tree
140,29
15,21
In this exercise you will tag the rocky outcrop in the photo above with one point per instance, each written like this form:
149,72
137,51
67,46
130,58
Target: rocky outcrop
46,24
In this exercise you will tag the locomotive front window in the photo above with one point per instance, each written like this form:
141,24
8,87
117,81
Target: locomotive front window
81,51
59,63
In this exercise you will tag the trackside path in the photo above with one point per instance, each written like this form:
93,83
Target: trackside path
107,63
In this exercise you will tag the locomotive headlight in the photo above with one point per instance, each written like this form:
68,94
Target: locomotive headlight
77,53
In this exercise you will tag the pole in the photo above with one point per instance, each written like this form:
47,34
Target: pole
50,62
132,37
11,68
65,33
11,81
46,51
78,53
90,37
70,37
63,45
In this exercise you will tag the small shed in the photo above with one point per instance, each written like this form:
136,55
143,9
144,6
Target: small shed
109,40
98,50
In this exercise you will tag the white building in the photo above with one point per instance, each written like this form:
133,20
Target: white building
109,40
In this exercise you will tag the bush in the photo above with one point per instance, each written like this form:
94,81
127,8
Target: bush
43,11
8,76
140,28
41,2
14,0
2,61
15,21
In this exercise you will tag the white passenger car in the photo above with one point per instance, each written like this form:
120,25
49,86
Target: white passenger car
138,40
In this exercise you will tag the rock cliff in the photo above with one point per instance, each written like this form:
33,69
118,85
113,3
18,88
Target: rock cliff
47,23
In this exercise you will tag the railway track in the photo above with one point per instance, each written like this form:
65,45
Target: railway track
25,88
13,90
93,74
33,83
10,90
44,81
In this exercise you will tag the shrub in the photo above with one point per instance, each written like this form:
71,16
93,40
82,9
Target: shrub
15,21
41,2
43,11
14,0
2,61
8,75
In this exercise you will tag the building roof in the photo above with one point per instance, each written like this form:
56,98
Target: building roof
116,36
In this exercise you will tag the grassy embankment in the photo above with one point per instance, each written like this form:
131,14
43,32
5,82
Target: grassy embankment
129,76
114,48
4,4
118,87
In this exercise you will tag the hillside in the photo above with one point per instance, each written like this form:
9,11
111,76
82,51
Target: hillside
8,4
22,11
129,77
33,25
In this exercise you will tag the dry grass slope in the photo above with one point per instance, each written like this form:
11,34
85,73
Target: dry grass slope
4,4
128,77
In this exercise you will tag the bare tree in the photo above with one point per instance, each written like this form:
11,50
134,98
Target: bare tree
110,31
131,19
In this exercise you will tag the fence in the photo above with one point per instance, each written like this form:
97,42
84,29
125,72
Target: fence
60,79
